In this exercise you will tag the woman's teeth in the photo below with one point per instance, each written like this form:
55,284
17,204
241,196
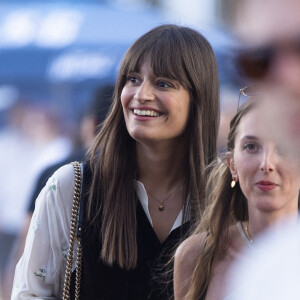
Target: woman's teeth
149,113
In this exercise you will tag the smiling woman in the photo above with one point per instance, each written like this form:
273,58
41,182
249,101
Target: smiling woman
155,108
143,181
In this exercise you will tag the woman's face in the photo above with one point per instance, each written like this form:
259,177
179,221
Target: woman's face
155,108
269,179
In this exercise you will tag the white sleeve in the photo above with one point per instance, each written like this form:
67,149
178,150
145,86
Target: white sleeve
40,271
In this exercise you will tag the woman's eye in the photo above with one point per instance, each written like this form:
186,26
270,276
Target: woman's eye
282,150
163,84
132,79
251,147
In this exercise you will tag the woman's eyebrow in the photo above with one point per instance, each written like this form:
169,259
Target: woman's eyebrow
249,137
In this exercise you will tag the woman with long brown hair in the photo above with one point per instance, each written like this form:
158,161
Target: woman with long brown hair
143,182
255,188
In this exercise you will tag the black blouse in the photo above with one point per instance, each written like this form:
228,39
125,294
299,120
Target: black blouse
151,279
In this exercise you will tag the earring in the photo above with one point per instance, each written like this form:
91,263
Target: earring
233,182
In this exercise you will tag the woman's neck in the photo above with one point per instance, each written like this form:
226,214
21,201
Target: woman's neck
161,165
261,222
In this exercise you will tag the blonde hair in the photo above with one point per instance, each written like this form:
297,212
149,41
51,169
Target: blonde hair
223,207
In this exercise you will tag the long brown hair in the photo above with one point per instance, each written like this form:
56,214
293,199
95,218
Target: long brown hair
178,53
224,207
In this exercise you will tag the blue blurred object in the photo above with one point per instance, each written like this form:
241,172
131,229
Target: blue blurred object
67,42
61,53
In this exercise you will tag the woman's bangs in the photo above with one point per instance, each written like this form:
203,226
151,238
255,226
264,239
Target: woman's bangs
133,62
168,63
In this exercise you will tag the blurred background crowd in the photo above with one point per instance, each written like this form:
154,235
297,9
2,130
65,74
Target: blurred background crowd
56,56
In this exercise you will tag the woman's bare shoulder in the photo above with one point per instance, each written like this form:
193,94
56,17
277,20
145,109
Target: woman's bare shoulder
185,261
190,248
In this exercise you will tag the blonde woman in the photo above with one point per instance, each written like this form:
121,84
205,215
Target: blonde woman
257,187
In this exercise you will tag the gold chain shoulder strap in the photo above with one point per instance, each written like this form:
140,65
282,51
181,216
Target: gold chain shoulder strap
73,237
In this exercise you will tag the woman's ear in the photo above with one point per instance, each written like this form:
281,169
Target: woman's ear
231,164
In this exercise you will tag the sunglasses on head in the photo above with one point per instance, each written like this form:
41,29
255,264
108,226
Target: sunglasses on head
248,92
255,63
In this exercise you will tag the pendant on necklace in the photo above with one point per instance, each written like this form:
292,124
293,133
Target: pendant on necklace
161,207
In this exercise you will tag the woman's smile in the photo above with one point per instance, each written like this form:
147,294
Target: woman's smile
143,112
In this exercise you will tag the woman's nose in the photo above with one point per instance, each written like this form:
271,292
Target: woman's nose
145,92
268,161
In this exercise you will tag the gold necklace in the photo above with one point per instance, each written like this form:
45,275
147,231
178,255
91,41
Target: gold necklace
245,234
161,206
248,235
